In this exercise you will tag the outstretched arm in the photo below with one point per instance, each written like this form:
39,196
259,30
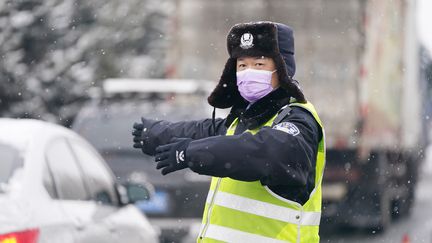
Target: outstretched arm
148,134
275,156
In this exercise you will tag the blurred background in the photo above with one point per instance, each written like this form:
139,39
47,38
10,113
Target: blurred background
95,67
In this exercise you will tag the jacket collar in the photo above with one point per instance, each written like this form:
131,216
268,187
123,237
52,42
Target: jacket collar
259,112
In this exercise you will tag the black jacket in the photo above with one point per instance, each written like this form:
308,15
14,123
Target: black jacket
283,162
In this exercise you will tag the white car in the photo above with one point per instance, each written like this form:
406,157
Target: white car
54,187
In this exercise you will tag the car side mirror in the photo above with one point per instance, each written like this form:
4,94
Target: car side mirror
136,188
130,193
138,192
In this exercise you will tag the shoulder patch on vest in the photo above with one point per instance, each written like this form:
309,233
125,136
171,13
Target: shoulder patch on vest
287,127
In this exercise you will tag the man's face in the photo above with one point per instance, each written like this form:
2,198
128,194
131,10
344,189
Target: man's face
259,63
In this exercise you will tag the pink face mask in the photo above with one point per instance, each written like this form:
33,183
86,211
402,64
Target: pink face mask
254,84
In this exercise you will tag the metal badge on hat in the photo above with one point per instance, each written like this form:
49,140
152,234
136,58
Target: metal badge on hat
246,41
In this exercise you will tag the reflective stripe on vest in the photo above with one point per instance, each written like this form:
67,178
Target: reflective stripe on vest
240,211
225,234
264,209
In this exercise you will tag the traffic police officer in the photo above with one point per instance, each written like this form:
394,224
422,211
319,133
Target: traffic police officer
266,157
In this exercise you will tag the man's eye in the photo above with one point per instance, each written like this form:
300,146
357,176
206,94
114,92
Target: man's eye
259,64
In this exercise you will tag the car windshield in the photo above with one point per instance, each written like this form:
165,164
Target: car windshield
109,126
108,133
10,161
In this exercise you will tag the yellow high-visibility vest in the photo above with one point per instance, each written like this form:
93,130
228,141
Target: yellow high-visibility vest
240,211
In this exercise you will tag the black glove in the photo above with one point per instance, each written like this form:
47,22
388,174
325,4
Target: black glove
141,137
172,157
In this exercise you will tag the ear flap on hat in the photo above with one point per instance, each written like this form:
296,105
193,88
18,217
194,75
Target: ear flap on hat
226,93
286,82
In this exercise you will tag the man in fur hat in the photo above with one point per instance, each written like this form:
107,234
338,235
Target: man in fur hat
266,157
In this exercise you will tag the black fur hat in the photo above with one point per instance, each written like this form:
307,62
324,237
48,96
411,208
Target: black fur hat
256,39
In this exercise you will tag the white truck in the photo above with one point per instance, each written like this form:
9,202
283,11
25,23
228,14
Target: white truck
357,62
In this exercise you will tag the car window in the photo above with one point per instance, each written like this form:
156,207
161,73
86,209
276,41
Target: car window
67,176
109,128
99,178
10,161
106,133
48,183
